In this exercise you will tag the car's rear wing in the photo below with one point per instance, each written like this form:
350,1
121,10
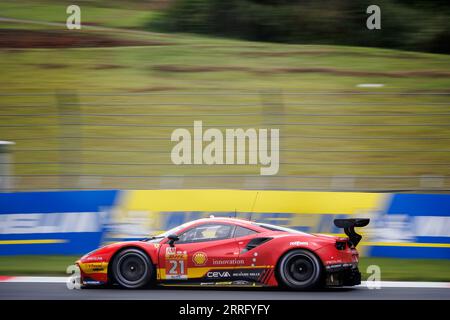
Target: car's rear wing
349,226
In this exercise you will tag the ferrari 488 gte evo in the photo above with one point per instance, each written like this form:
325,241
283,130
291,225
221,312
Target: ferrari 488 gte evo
229,252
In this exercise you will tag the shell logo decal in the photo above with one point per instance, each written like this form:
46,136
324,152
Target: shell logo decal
199,258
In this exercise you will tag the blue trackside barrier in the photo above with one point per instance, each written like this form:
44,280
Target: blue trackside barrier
69,222
413,226
75,222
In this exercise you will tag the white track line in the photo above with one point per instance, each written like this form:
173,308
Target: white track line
383,284
408,284
35,279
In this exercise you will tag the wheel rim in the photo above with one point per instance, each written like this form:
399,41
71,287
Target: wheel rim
132,268
300,269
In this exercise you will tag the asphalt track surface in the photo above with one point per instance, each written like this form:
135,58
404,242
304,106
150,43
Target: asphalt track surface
59,291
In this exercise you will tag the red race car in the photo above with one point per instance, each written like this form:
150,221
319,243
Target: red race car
229,252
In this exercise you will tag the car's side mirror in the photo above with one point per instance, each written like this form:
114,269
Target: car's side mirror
172,238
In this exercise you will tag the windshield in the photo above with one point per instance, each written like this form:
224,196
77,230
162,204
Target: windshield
165,234
278,228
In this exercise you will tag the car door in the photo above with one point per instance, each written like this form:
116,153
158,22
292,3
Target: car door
251,267
206,252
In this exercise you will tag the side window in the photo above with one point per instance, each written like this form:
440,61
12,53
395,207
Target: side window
242,232
207,232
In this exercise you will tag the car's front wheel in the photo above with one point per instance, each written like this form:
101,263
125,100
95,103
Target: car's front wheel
300,270
132,269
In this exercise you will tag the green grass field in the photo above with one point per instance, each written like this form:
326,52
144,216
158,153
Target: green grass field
321,135
112,14
391,269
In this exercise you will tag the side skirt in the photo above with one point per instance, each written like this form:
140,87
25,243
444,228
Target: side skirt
231,284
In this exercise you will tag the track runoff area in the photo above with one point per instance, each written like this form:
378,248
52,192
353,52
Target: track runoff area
57,288
27,295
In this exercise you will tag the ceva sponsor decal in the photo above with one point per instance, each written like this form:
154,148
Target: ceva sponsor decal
218,274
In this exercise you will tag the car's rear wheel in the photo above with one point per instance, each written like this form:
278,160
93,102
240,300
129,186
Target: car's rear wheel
300,270
132,269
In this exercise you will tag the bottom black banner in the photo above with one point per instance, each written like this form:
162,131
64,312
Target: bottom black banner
203,310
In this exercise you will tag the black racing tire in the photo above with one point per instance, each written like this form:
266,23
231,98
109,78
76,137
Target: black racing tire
132,269
300,270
